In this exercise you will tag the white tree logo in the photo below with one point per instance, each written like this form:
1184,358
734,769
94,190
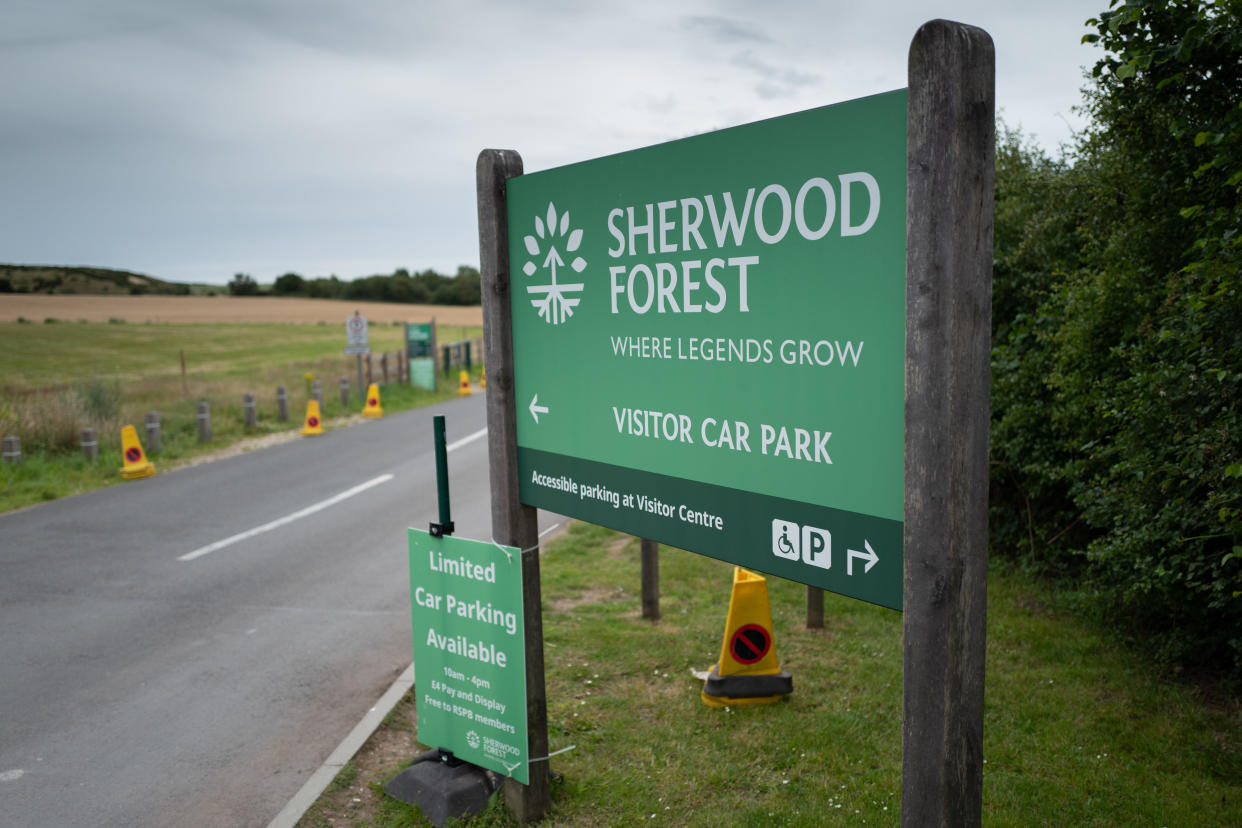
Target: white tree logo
554,301
472,739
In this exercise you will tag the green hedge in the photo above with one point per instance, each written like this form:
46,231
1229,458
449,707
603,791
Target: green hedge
1117,349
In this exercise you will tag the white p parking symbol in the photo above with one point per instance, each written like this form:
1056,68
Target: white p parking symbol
817,547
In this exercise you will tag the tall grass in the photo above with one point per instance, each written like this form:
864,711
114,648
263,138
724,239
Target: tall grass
52,420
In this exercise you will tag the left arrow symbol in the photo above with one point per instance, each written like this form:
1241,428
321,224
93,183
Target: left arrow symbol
536,409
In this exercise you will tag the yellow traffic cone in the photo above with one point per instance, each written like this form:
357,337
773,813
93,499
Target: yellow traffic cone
373,407
483,378
136,463
748,671
313,424
463,389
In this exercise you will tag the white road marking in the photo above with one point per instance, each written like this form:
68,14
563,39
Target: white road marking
469,438
287,519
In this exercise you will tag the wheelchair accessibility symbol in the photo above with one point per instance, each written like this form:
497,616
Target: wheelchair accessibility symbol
812,544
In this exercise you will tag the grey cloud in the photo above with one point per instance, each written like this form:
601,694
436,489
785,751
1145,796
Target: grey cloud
725,29
775,81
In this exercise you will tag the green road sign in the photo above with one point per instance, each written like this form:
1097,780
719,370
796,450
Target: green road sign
470,650
418,339
709,343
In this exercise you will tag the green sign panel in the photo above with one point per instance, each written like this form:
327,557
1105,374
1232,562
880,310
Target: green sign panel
418,339
709,343
470,650
423,373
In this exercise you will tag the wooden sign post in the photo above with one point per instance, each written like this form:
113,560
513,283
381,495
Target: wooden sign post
513,524
948,334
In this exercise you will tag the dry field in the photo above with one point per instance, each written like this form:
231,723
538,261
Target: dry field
137,309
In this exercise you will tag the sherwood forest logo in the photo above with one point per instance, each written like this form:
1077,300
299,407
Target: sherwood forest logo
555,301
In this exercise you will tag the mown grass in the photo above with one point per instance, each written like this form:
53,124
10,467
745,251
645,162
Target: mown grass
1077,732
58,379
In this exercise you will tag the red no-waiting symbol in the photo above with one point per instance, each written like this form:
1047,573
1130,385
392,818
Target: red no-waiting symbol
750,643
373,402
312,421
133,454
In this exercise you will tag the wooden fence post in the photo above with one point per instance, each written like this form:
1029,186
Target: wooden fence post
282,403
204,422
155,442
950,164
814,608
250,411
513,523
651,579
90,445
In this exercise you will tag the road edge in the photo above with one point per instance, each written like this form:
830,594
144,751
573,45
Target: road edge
338,758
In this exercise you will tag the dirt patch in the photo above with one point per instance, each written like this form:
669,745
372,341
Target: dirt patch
592,596
37,307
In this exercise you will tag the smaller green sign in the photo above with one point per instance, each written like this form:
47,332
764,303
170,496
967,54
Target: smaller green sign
418,339
470,650
423,373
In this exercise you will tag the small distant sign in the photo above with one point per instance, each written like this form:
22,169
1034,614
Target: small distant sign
356,335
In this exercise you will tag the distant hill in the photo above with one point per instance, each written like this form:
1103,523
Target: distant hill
83,280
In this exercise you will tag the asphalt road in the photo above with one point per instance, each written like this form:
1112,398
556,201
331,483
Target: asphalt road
151,676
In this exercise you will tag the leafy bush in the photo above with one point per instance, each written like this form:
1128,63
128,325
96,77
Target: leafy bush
1117,353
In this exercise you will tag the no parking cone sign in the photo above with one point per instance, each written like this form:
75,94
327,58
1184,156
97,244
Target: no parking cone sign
373,408
314,425
748,671
136,463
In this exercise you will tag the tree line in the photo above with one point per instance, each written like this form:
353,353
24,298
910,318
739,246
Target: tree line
1117,342
425,287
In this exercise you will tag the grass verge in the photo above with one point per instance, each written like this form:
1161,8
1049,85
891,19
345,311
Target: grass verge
1076,730
60,378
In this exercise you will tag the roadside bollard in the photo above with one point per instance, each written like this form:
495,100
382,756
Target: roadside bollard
317,391
249,411
204,422
154,443
345,391
282,404
12,452
90,445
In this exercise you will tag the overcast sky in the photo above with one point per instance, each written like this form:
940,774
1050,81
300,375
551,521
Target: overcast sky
194,139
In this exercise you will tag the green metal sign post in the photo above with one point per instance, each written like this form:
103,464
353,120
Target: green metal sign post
733,306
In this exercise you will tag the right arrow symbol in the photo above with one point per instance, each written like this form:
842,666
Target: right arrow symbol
869,556
536,409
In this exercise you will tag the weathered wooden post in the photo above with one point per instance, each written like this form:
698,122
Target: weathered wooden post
384,366
204,422
12,451
344,389
155,441
814,608
950,168
250,415
370,372
317,392
651,579
513,523
282,404
90,445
